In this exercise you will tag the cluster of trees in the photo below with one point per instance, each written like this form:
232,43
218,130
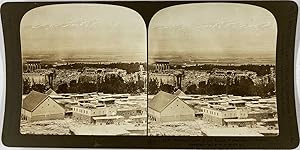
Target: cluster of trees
116,85
129,67
27,87
242,87
154,88
261,70
113,84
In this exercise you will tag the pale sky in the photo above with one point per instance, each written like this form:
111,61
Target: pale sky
213,30
84,29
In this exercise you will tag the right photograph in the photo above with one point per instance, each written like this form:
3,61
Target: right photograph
212,71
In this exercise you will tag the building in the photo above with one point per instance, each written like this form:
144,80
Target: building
36,78
238,103
51,92
261,114
85,112
163,78
245,122
31,65
216,114
106,101
162,65
139,118
106,120
165,107
182,95
179,93
270,122
130,111
38,106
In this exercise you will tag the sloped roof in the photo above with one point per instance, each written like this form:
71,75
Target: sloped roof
160,101
32,100
179,93
51,92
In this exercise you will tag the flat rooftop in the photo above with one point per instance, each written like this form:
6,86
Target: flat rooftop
108,117
106,99
127,109
138,116
237,102
269,120
240,120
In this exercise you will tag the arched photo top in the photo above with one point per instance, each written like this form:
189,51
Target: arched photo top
213,30
223,52
102,30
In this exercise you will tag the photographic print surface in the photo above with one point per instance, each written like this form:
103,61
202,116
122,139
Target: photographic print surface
73,72
83,70
212,71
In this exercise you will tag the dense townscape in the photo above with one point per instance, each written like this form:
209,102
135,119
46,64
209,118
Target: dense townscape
83,101
213,101
111,99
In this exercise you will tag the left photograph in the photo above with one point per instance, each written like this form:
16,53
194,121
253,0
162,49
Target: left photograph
84,70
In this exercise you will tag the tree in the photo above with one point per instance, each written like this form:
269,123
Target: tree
39,87
153,87
192,89
113,84
202,87
26,86
167,88
140,86
245,87
131,88
62,88
86,87
214,87
73,87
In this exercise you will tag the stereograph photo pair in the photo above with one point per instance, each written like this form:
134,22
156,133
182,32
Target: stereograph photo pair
132,74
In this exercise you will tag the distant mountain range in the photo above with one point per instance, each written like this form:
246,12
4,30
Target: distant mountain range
214,60
84,58
188,60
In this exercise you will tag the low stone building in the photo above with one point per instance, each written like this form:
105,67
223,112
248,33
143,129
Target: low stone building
38,106
127,112
245,122
216,114
86,112
262,114
165,107
106,120
270,122
139,119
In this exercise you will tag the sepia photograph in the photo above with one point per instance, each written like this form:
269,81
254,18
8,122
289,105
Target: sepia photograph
84,70
150,74
212,71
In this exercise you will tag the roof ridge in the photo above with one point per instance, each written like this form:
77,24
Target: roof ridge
33,100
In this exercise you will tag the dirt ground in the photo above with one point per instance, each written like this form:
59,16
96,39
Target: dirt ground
49,127
52,127
180,128
188,128
61,127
